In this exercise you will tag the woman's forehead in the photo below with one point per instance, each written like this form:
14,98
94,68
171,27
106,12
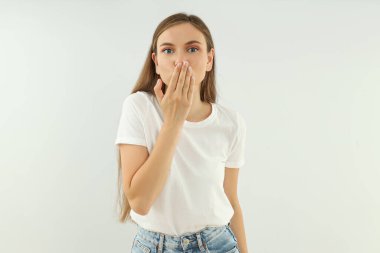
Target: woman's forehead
180,35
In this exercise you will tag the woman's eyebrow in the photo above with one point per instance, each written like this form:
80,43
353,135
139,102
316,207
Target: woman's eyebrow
189,42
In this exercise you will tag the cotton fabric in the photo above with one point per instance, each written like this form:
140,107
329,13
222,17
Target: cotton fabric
193,196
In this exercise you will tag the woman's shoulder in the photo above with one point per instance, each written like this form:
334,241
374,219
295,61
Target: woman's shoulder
229,112
231,117
138,99
144,97
139,95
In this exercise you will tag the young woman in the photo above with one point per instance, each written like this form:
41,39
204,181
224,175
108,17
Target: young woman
179,152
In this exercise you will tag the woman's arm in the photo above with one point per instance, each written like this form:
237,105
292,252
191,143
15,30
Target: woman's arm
230,188
237,226
149,180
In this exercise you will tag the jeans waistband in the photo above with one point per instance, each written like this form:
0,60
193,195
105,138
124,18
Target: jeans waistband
205,234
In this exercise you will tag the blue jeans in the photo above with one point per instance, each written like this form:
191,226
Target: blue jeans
207,240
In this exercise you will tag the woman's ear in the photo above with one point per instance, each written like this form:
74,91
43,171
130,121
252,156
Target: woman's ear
210,58
155,61
154,58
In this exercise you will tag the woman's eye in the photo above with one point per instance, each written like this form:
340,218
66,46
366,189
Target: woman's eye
194,48
164,51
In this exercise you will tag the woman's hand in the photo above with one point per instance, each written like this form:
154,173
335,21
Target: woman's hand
178,98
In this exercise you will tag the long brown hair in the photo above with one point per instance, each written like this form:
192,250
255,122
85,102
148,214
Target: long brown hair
148,78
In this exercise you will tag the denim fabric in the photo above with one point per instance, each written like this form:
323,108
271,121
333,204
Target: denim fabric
207,240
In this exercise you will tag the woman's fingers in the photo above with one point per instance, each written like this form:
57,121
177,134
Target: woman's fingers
174,79
180,82
190,93
187,82
178,97
181,78
158,91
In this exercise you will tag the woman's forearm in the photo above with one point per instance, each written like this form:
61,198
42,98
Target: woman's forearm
237,226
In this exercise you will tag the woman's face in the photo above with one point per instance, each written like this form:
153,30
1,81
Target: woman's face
180,43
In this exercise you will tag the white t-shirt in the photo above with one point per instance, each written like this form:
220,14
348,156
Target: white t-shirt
193,196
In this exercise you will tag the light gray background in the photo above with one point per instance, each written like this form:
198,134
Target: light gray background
305,75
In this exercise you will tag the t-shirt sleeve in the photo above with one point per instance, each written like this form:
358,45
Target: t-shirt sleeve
131,128
236,157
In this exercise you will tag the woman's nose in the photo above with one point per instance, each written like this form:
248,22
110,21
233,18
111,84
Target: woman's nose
180,61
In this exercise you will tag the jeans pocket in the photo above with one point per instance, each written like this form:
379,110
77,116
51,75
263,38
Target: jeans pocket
222,242
139,246
232,233
234,250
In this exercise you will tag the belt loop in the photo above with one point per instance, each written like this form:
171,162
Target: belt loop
160,243
200,243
